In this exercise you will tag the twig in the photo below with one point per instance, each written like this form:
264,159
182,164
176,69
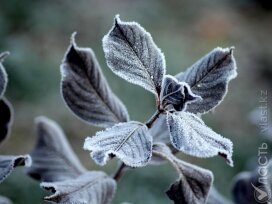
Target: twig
151,121
119,173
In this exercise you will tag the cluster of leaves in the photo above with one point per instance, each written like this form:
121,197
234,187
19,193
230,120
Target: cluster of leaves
52,161
131,54
176,126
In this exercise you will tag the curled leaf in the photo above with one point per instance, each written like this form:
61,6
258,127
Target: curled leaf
194,183
90,188
189,134
130,142
209,78
6,118
3,74
86,91
176,94
53,158
131,54
8,163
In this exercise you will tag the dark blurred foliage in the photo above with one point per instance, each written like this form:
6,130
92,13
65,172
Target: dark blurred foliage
37,34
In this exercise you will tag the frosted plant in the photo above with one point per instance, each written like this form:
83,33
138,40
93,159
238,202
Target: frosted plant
7,162
180,100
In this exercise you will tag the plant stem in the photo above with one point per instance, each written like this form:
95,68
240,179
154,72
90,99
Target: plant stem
151,121
119,173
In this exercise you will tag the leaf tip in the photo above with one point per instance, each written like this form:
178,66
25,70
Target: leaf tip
23,160
85,145
4,55
117,19
40,119
28,161
100,157
227,157
42,122
232,48
72,40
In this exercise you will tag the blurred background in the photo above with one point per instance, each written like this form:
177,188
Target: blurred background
37,33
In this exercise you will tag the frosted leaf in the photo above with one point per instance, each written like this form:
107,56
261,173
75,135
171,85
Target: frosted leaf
189,134
86,91
3,74
131,54
130,142
216,198
53,157
6,118
5,200
176,94
194,183
209,78
8,163
93,187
